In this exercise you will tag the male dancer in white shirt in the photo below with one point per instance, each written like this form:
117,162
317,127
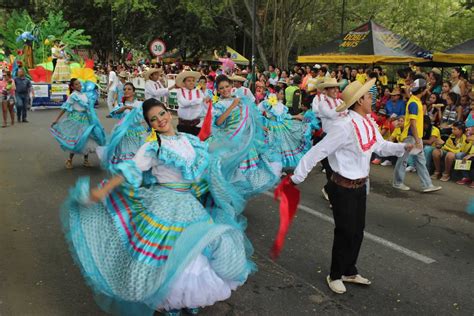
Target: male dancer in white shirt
153,87
324,106
239,90
191,102
348,147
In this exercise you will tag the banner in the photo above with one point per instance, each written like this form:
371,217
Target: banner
41,90
59,89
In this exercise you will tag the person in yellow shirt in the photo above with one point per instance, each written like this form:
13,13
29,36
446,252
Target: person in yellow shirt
361,75
413,133
468,175
456,147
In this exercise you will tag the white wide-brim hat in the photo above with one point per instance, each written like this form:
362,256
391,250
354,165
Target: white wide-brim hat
353,92
186,74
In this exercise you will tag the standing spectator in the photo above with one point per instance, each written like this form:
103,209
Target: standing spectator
55,53
456,147
361,75
228,64
23,89
293,95
8,98
307,76
373,89
395,105
385,97
111,87
458,86
413,133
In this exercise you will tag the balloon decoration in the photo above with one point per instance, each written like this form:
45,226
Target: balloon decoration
84,74
39,74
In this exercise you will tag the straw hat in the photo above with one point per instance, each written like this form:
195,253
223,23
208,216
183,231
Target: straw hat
123,74
396,91
186,74
353,92
282,81
328,83
237,78
151,71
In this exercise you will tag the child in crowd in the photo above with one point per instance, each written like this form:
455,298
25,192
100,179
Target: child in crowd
468,175
456,147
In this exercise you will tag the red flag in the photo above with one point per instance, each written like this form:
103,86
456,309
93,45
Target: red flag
206,125
289,196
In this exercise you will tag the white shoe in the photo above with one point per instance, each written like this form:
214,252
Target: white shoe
386,163
356,279
325,194
401,186
336,286
431,189
410,169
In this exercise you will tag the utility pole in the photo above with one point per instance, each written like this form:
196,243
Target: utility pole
112,32
253,61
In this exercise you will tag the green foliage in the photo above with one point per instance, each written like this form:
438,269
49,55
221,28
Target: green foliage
14,26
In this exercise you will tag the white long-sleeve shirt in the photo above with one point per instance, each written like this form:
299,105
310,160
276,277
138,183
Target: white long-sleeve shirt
348,146
190,104
325,109
155,89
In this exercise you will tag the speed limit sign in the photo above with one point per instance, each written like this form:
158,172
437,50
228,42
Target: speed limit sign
157,47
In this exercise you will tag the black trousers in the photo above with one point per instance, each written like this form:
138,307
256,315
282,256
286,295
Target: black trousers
189,129
54,60
348,208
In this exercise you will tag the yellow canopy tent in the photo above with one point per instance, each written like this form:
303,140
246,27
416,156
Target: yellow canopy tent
369,43
460,54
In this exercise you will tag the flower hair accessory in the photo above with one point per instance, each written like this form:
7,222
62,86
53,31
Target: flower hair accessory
215,98
272,100
152,137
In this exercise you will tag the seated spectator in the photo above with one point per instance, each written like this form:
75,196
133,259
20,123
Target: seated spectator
431,138
450,114
468,176
384,97
445,90
395,105
464,107
456,147
361,75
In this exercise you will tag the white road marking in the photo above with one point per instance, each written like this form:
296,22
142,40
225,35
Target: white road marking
410,253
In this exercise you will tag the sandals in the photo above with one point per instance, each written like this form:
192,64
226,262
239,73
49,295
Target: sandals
436,175
357,279
445,178
69,164
86,163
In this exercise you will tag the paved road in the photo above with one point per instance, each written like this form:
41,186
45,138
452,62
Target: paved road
419,250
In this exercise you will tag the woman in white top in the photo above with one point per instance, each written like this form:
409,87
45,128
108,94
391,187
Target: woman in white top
458,85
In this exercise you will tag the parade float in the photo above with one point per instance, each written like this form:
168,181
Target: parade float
30,45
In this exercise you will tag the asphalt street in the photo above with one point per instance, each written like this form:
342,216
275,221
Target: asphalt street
418,250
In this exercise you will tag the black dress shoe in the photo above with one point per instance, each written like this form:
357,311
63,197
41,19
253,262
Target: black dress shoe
25,121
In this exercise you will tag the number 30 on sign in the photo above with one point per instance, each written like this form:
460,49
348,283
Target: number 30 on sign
157,47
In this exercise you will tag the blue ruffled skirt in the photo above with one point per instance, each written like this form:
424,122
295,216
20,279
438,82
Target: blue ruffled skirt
75,133
128,146
291,138
153,248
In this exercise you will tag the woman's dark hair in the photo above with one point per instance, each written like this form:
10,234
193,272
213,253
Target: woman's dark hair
438,78
202,78
146,107
458,70
277,90
71,84
428,130
129,84
448,83
460,125
222,78
454,97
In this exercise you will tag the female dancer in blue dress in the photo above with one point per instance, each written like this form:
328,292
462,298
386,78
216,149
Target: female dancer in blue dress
147,248
239,135
80,132
287,133
129,134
